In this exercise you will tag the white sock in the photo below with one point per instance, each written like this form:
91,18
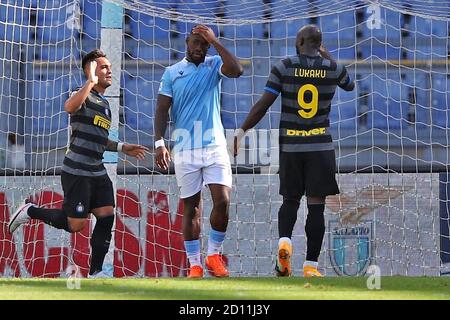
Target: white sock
213,248
195,260
215,241
285,239
310,264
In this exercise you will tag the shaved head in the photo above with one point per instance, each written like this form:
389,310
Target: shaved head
309,38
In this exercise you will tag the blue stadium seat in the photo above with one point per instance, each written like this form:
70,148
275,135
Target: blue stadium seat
139,101
55,52
344,109
141,26
440,100
423,52
340,26
439,28
238,9
342,53
329,26
52,26
44,105
386,52
151,52
14,23
285,29
202,8
283,50
92,13
387,113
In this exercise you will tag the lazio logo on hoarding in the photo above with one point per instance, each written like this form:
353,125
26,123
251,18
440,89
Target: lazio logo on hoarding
350,247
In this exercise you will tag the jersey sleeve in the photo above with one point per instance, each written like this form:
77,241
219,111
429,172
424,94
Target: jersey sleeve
343,79
274,84
165,86
72,93
218,63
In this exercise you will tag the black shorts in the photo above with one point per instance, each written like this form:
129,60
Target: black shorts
82,194
310,173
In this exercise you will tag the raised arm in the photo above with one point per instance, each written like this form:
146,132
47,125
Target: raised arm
344,79
75,101
231,67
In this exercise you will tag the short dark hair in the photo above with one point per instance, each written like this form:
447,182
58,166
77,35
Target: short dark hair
91,56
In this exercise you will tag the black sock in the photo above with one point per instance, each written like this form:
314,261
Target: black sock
315,230
54,217
100,239
287,216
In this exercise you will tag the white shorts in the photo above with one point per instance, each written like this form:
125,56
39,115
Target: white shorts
202,166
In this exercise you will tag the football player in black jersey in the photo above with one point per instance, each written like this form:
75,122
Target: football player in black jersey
85,182
307,83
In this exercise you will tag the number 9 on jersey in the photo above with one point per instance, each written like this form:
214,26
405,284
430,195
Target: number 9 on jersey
308,109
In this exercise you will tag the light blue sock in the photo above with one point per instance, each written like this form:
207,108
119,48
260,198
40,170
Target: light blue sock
193,252
215,241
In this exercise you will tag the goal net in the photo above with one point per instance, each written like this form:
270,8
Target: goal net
391,133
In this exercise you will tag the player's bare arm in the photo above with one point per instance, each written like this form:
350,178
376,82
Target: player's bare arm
162,155
132,150
135,150
255,115
76,100
231,67
327,55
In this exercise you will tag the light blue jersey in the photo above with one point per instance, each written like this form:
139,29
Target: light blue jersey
195,110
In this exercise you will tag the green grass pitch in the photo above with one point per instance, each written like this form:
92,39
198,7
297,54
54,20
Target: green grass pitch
266,288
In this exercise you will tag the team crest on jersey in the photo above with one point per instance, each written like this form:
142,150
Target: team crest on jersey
350,247
79,208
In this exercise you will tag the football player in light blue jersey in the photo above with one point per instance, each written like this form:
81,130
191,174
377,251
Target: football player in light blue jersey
191,90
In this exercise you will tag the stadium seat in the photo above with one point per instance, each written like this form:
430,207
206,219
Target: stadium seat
45,105
285,29
203,8
386,52
416,83
344,109
140,25
341,53
16,33
440,100
439,28
282,50
91,11
338,27
60,52
151,52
